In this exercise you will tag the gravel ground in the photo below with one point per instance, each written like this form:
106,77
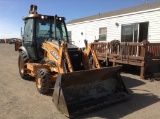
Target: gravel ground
19,98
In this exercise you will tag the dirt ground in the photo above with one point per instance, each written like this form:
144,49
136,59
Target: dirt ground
19,98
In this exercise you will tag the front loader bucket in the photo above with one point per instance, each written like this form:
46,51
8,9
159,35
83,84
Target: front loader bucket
79,92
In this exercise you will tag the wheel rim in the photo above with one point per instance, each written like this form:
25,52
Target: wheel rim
38,82
21,65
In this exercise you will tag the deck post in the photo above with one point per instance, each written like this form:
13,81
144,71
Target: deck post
142,72
114,63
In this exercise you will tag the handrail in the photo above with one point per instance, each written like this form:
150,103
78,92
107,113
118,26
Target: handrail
139,51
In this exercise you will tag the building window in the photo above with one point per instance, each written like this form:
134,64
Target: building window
136,32
103,34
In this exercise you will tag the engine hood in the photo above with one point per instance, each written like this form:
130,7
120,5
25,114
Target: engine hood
71,46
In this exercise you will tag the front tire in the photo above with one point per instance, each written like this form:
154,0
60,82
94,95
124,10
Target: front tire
43,81
22,65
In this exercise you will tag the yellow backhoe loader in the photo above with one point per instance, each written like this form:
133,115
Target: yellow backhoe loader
46,54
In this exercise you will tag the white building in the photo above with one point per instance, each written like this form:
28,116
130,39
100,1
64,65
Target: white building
127,25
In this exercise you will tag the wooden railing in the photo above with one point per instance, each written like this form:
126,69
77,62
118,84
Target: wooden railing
128,50
101,49
139,54
154,50
132,51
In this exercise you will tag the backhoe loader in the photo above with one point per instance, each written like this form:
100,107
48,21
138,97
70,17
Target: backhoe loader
46,54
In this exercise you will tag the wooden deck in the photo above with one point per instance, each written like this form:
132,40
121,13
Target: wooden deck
142,54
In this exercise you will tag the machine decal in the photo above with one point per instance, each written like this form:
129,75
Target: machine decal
54,55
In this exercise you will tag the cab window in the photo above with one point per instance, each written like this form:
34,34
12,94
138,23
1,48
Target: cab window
28,30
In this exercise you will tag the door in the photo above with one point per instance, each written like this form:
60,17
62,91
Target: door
143,31
28,42
81,39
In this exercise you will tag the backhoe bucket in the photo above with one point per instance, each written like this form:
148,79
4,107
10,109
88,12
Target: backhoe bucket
79,92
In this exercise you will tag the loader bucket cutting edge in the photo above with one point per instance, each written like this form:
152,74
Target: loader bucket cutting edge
79,92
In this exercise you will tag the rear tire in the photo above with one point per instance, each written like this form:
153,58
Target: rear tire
22,65
43,81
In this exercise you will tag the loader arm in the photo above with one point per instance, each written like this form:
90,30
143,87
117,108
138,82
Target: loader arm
90,50
63,52
57,54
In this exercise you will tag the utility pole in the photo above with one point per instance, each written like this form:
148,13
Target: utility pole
145,1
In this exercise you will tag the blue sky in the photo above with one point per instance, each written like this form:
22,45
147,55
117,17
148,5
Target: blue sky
12,11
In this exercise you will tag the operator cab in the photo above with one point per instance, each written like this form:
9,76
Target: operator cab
39,28
45,29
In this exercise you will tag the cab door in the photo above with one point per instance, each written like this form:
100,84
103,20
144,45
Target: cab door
28,41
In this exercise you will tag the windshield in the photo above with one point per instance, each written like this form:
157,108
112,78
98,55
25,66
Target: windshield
45,29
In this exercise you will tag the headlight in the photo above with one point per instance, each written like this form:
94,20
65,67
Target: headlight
42,17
